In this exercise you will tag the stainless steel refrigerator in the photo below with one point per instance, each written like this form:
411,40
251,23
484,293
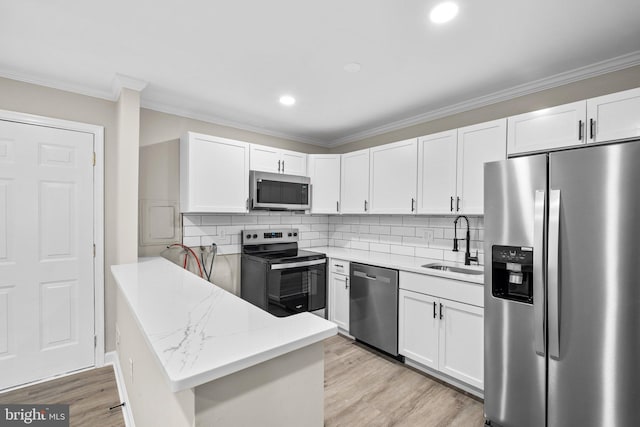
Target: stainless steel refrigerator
562,288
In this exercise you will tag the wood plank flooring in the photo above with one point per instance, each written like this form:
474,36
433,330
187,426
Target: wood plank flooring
363,388
89,395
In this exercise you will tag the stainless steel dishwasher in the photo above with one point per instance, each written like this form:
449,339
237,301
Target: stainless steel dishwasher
373,306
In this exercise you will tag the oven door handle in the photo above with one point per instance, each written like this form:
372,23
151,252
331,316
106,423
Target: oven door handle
298,264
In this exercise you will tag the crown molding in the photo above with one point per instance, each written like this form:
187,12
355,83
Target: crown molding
608,66
57,84
122,81
210,118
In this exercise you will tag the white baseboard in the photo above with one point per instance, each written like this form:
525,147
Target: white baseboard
111,358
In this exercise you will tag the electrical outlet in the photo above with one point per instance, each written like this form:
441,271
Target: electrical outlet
428,236
131,369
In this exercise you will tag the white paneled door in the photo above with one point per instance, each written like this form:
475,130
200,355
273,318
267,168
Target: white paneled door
46,252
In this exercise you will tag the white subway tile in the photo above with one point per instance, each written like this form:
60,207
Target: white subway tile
380,229
441,243
310,219
199,230
343,227
279,213
360,228
336,235
320,227
350,236
191,220
226,230
379,247
363,246
390,239
454,256
310,235
338,243
269,220
369,237
441,221
369,219
390,220
228,249
304,243
191,241
290,220
244,219
216,220
350,219
324,234
335,219
331,242
430,253
414,241
320,242
208,240
418,221
402,250
403,231
303,227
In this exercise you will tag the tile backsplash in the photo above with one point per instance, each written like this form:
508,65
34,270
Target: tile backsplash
423,236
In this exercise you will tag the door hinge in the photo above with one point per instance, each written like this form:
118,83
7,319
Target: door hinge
94,250
94,158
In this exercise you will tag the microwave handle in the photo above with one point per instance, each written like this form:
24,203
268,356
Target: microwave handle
287,265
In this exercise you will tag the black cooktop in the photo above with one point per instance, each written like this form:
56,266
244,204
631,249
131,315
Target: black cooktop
292,255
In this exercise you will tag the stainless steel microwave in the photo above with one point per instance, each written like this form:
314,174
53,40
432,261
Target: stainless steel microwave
276,191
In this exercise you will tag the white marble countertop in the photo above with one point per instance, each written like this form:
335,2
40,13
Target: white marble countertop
199,332
401,262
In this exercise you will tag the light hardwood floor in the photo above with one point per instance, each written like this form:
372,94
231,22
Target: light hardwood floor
363,388
89,395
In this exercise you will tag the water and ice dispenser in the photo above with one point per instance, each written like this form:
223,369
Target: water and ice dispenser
512,272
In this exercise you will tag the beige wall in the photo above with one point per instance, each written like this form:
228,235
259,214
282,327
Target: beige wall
158,127
608,83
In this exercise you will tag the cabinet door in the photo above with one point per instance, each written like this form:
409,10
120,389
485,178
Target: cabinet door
393,172
339,301
293,163
437,172
214,174
354,182
547,129
477,144
418,324
462,342
324,171
265,159
615,116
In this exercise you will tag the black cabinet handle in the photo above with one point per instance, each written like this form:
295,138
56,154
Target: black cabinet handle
457,204
337,206
283,166
579,130
441,315
413,202
365,205
592,129
278,165
434,310
451,205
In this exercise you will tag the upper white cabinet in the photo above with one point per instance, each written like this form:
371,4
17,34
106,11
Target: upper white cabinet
393,173
561,126
354,182
324,171
615,116
477,145
213,174
269,159
437,158
451,167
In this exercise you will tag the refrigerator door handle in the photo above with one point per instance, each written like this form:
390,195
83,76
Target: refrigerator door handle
538,272
554,273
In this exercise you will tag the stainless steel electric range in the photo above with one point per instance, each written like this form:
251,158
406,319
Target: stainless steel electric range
280,278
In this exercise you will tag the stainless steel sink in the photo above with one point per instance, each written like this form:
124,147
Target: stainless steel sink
436,266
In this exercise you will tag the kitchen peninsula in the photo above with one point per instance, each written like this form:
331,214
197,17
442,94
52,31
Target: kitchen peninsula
195,354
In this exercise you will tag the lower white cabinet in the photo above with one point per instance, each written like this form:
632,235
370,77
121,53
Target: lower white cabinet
444,335
339,288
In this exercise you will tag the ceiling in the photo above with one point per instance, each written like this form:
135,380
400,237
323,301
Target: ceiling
228,62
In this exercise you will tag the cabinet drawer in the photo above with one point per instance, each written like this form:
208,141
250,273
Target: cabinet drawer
455,290
339,266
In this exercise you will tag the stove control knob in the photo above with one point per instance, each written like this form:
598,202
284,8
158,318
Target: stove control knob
295,234
248,236
255,236
289,234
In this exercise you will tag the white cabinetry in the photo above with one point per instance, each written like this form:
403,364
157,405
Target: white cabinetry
451,167
393,173
213,174
324,171
441,333
354,182
269,159
614,116
477,145
339,293
561,126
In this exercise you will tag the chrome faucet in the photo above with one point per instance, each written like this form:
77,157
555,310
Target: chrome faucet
467,255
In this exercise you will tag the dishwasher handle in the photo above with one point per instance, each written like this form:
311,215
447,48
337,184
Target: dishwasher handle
364,275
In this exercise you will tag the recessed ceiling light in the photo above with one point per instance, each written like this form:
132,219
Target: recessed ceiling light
287,100
443,12
352,67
